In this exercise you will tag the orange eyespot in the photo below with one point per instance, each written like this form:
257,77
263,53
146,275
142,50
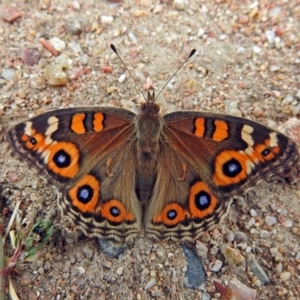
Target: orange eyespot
115,211
202,201
171,215
85,194
231,167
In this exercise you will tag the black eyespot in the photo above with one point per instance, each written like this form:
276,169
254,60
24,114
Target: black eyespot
115,211
232,168
202,200
33,141
266,152
62,159
172,214
85,194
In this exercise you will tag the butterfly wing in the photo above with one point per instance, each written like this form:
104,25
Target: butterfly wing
87,153
206,161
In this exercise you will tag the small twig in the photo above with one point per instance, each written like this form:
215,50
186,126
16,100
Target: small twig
2,266
12,218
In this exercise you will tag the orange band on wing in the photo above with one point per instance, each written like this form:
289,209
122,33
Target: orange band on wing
221,131
77,123
98,121
199,127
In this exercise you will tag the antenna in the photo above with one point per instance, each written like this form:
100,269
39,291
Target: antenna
112,46
190,55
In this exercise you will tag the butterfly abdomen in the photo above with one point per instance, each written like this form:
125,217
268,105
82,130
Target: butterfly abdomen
148,139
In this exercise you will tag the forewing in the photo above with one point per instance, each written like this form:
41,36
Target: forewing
86,152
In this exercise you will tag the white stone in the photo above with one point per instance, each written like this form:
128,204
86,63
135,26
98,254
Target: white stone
106,20
270,220
58,44
216,267
284,276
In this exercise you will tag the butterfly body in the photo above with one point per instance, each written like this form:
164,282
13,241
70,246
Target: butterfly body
172,176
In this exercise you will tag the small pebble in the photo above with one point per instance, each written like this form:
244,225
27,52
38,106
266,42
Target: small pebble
75,47
84,59
256,49
111,89
132,38
274,68
232,256
288,99
80,270
216,267
47,265
30,56
88,251
279,268
201,33
284,276
276,254
230,236
58,44
213,250
251,222
195,275
180,4
55,76
264,234
107,264
74,26
106,20
76,5
63,61
201,249
278,42
120,271
258,271
270,35
160,253
8,74
240,237
56,101
270,220
287,223
146,271
122,77
10,14
150,283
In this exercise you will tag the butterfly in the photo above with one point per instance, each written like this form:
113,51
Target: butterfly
172,176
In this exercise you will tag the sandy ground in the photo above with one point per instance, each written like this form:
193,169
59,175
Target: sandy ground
247,63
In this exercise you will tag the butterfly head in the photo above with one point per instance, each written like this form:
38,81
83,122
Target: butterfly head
149,107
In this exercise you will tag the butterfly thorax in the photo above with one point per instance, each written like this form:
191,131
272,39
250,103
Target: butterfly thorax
148,136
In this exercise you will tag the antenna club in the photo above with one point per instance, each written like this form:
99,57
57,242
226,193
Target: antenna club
113,48
192,53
